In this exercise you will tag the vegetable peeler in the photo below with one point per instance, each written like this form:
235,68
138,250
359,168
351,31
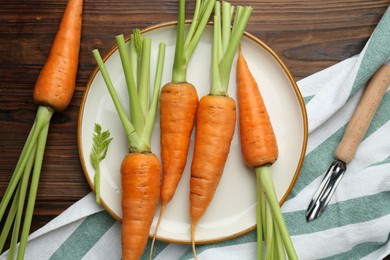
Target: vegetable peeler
354,133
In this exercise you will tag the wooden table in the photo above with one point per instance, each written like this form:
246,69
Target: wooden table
309,35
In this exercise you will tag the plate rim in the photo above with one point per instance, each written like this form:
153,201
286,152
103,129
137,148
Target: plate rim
297,94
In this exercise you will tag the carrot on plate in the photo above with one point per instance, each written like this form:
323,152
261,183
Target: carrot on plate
178,104
216,114
260,150
53,92
140,168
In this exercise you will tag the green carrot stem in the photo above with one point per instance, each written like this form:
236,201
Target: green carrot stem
96,181
151,116
236,19
16,174
269,245
189,50
194,23
134,142
279,247
269,190
226,24
134,59
42,118
216,88
23,153
10,219
179,63
259,223
263,210
225,44
218,32
21,199
235,38
144,76
185,46
40,150
136,116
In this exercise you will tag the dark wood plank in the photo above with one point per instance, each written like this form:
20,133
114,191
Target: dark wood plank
308,35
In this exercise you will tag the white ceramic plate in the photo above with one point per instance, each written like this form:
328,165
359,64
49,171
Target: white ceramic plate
232,211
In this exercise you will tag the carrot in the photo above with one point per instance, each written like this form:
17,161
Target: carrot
215,123
260,151
258,140
56,82
178,104
216,114
140,168
52,92
140,177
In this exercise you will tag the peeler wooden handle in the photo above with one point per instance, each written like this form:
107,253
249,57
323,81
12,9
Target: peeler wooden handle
363,114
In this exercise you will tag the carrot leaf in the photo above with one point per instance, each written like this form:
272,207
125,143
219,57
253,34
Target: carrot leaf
138,40
100,142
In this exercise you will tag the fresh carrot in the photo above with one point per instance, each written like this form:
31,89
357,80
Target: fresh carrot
52,92
215,123
216,114
258,140
178,104
55,84
140,169
260,150
140,177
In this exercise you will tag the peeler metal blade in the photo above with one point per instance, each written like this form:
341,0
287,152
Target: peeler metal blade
326,189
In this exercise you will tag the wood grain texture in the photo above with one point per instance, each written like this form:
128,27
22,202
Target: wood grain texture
308,35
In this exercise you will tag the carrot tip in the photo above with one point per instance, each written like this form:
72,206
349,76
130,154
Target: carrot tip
156,229
193,224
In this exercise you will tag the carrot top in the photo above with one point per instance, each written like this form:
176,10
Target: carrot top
136,69
185,45
225,43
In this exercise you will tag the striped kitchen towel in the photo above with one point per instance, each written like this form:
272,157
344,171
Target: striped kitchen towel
356,224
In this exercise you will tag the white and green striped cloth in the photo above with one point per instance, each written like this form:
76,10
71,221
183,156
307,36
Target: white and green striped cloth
356,223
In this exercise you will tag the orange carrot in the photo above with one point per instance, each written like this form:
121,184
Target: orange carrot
141,177
178,104
260,150
216,114
215,123
56,82
140,169
258,141
52,92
